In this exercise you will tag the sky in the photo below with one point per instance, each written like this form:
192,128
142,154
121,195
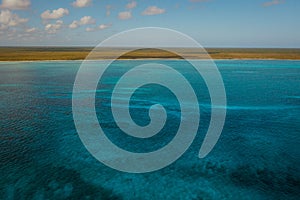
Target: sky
213,23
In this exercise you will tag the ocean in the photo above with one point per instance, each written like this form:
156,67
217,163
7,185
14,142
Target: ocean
256,157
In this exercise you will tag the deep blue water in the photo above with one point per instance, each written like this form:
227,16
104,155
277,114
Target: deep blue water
257,156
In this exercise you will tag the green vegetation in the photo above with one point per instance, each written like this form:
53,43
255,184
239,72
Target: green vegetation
80,53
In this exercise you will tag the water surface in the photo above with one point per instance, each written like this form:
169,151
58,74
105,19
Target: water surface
257,156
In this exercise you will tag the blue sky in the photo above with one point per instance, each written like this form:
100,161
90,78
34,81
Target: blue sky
213,23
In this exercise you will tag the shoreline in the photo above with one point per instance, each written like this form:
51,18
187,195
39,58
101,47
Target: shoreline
218,59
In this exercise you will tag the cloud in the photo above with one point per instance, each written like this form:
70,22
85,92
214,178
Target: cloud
108,8
196,1
100,27
53,28
153,10
74,24
8,33
2,28
89,29
273,2
104,26
83,21
131,5
54,14
87,20
30,30
81,3
9,19
15,4
124,15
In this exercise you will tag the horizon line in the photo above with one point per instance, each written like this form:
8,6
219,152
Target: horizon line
92,46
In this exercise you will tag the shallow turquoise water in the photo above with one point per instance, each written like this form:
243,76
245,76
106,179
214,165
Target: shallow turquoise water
257,156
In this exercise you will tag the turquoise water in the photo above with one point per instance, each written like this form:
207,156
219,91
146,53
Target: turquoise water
257,156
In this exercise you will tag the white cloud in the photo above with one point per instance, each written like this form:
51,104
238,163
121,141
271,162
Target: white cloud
195,1
2,27
89,29
108,8
104,26
8,19
53,28
74,24
273,2
31,30
81,3
15,4
87,20
100,27
125,15
9,33
54,14
153,10
131,5
83,21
